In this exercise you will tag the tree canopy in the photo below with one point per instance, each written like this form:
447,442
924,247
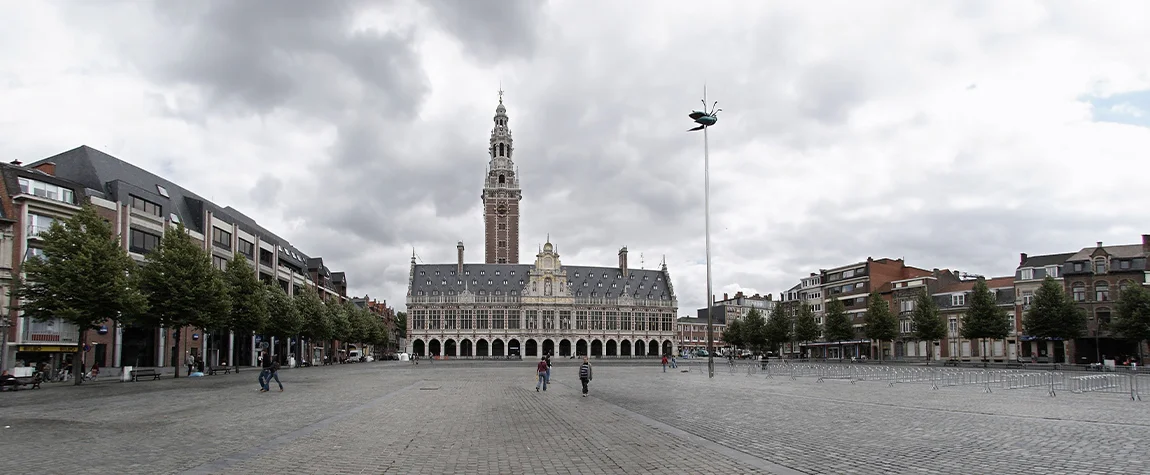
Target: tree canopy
315,324
733,333
1053,314
881,324
1132,319
837,326
778,328
401,324
284,320
984,318
928,323
249,311
754,331
806,327
84,278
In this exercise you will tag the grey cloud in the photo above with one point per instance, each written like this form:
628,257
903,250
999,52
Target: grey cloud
266,191
492,30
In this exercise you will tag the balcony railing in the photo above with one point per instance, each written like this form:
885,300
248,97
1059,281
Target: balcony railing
35,230
51,331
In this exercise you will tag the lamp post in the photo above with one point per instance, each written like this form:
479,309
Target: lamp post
4,342
705,120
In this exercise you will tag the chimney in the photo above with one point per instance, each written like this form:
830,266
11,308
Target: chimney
1100,244
725,296
1022,258
623,260
459,267
1146,243
15,162
47,167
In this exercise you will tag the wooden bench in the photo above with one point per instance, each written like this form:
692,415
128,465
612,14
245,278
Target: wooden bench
144,373
24,381
222,369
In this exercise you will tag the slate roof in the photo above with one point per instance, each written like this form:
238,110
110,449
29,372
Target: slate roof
1046,260
111,178
645,283
11,175
1128,251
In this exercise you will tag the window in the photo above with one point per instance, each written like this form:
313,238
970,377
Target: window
502,226
174,218
907,305
1053,271
219,263
141,242
221,239
1100,265
266,258
163,191
1103,316
45,190
907,326
39,223
146,206
1124,265
1027,297
34,252
502,243
958,300
1079,292
1027,274
1101,291
245,248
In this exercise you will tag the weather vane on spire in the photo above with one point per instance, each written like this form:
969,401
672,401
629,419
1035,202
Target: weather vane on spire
500,92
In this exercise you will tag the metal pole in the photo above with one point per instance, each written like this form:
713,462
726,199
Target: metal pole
4,343
707,218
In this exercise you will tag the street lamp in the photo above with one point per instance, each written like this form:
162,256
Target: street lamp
706,120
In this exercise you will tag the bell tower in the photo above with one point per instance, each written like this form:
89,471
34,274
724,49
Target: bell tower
501,195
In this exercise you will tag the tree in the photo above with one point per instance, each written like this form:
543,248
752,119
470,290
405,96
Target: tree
928,323
1053,314
777,329
284,319
881,324
183,288
84,278
314,323
754,331
733,334
837,326
340,323
985,319
806,327
1133,317
358,323
249,311
401,325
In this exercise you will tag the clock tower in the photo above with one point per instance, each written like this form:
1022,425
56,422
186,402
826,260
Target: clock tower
501,195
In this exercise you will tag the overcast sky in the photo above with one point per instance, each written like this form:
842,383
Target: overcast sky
952,134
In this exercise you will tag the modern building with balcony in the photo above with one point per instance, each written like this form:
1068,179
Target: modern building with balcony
142,207
32,199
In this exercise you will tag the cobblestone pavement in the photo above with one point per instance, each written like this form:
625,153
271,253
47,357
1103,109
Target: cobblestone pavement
447,418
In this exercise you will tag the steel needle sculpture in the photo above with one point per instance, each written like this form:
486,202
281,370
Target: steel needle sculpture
706,120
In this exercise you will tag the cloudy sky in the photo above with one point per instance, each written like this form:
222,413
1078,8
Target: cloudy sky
953,134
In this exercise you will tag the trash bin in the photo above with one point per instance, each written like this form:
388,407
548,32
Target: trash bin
126,373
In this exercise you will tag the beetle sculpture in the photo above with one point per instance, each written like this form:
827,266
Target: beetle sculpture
704,118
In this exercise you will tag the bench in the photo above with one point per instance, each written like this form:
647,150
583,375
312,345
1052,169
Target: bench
144,373
952,362
222,369
24,381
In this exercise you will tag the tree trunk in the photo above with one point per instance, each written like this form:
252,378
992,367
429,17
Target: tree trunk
929,352
179,360
78,360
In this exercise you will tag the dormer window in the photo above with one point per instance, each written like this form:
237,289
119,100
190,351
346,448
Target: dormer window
1100,265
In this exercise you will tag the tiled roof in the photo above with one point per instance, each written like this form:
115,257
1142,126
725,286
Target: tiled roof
1046,260
968,285
644,283
1126,251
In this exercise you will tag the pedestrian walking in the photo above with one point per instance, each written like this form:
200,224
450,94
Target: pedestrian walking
548,369
266,371
275,373
585,374
674,364
664,363
541,371
190,361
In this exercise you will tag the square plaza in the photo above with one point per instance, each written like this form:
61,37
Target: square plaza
486,417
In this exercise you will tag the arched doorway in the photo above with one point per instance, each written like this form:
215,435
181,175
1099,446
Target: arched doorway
549,347
417,347
481,348
612,348
513,348
640,348
497,348
581,348
449,348
667,347
465,348
565,348
625,348
596,348
532,348
433,348
654,348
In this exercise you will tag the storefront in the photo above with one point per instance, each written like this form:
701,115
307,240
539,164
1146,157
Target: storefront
54,355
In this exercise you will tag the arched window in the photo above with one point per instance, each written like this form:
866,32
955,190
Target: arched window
1101,291
501,151
1079,292
502,179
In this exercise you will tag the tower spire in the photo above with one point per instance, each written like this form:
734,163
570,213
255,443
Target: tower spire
501,193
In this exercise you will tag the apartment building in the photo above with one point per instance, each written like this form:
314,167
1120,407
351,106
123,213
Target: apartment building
691,332
903,295
734,308
33,198
385,314
1094,277
953,301
142,206
1028,277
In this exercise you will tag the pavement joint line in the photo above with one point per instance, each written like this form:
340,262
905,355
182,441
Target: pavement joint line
227,462
771,467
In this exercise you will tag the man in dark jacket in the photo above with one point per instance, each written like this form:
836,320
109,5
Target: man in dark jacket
585,374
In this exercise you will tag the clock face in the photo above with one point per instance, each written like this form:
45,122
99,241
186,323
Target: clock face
501,210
